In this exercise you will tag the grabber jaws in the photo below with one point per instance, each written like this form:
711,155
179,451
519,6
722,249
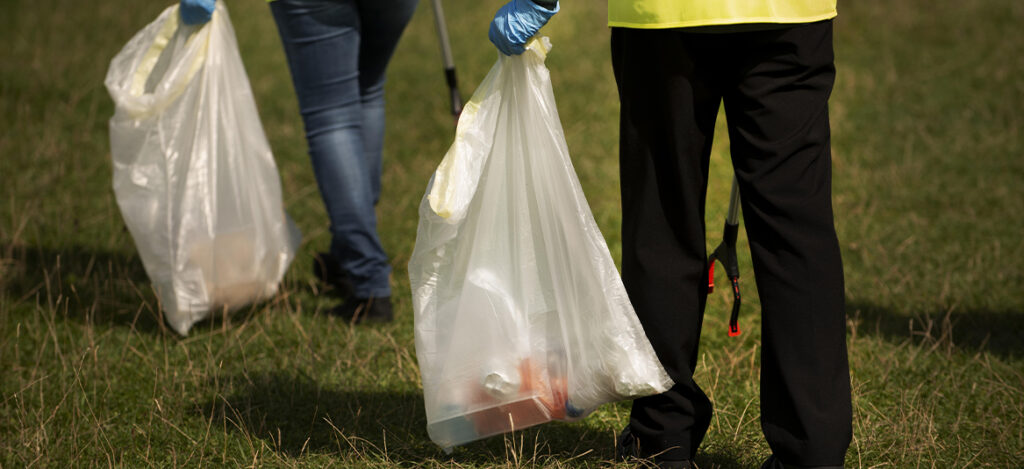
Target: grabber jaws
726,254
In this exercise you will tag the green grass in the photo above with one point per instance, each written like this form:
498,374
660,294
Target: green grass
928,167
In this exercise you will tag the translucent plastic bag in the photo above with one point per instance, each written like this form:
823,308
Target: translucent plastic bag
194,176
521,316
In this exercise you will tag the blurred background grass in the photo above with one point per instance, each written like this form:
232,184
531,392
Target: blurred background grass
928,195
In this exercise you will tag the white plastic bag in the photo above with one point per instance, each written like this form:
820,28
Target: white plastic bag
194,176
521,316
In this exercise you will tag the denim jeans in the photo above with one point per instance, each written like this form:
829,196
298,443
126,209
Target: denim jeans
338,51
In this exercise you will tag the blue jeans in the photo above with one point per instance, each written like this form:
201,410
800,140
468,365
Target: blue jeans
338,51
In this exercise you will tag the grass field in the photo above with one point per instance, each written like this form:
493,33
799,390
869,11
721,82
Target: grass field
928,178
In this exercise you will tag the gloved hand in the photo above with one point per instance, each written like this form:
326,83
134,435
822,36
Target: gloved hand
516,22
196,11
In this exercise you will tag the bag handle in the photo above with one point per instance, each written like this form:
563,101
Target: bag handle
454,183
154,103
540,46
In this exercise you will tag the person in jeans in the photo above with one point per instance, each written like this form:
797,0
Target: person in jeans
338,52
770,63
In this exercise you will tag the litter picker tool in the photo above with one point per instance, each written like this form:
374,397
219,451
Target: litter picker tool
449,61
726,254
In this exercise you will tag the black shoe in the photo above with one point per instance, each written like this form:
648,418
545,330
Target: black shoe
773,463
627,448
362,310
327,271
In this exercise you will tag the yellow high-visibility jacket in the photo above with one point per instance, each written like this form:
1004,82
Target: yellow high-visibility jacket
660,14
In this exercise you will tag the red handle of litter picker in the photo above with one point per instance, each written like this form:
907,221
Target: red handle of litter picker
711,275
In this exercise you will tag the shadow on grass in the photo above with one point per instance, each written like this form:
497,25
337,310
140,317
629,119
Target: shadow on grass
296,416
92,287
998,332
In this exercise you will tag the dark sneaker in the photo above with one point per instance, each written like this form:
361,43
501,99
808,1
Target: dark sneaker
627,448
328,272
363,310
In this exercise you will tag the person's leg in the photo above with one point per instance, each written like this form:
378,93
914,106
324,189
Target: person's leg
669,104
779,135
382,26
321,41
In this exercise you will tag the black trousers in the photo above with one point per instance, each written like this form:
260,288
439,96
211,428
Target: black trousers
775,85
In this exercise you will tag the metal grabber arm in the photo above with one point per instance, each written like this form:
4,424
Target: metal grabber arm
726,254
449,60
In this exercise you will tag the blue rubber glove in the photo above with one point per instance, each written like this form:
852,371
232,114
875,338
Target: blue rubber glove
196,11
516,22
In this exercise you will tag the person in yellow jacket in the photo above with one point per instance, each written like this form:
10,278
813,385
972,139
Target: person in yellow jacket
338,52
770,63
